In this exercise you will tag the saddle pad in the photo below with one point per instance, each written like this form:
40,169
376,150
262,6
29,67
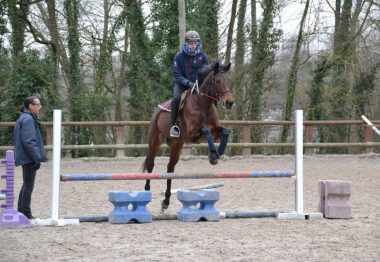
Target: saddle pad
166,105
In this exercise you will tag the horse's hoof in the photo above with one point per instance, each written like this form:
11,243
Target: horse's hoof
164,205
214,162
213,158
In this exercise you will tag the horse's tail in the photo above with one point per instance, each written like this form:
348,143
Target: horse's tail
153,122
152,131
144,166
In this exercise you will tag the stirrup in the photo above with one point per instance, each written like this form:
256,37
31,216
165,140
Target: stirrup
174,131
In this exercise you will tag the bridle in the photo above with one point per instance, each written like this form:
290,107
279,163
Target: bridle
217,95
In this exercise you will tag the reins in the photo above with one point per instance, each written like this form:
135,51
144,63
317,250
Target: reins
195,88
206,95
218,96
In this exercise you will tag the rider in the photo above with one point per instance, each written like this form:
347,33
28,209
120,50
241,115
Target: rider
186,66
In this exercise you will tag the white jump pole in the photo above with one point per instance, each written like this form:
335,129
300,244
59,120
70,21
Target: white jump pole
299,212
299,161
54,220
57,123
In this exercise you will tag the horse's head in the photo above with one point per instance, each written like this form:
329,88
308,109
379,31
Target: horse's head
218,85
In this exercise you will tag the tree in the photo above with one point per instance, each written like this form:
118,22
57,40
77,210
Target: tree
264,42
79,109
239,77
142,99
205,12
17,13
292,77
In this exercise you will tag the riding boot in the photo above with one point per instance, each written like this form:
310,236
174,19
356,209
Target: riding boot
174,130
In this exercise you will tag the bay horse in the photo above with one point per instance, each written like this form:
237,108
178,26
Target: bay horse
198,121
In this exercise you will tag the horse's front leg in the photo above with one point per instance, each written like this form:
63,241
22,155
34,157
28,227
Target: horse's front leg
213,156
223,133
166,202
147,185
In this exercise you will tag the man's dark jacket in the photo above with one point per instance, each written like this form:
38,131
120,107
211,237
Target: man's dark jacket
29,147
186,68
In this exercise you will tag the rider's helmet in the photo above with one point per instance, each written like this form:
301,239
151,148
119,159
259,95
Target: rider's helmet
192,36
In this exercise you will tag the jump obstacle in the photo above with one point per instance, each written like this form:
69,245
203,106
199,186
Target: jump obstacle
144,176
297,214
9,216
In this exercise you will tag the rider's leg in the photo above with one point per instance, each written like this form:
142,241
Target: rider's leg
174,130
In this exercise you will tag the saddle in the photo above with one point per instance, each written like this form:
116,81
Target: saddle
166,106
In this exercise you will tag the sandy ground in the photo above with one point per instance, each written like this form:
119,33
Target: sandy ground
264,239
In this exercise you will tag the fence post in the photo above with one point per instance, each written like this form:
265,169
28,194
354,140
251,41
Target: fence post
49,140
246,139
120,140
368,136
309,138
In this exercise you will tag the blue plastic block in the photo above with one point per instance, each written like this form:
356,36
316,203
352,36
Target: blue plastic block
198,205
130,207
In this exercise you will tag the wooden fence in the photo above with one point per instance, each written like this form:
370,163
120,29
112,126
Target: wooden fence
246,145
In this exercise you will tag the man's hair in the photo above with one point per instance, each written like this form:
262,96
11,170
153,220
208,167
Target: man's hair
27,101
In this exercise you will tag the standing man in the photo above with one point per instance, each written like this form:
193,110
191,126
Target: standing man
186,66
29,150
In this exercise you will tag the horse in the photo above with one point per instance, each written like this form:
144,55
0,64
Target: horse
198,121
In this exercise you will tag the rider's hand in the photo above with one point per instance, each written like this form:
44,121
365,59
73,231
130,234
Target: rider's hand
190,84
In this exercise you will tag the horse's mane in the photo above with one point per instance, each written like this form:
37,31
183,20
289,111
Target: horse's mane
203,72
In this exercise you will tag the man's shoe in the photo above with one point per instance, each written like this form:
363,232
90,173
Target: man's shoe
30,217
174,131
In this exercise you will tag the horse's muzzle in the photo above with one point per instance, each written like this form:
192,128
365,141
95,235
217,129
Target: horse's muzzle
229,104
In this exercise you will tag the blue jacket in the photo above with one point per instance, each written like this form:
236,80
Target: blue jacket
28,142
186,68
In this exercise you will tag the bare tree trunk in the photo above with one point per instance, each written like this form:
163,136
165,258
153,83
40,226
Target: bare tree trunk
103,68
182,21
121,84
231,31
239,83
253,35
239,72
337,23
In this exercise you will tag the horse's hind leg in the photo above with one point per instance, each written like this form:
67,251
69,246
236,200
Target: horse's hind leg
154,146
175,152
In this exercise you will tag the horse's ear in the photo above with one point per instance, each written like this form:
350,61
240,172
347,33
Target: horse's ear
227,67
216,67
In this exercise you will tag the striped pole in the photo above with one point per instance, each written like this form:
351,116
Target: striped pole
145,176
374,128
